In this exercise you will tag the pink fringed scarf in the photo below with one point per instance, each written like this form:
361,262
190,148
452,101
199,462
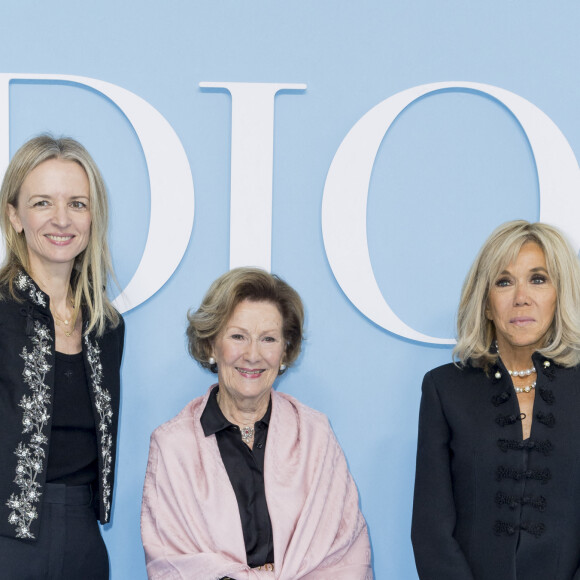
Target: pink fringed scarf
190,522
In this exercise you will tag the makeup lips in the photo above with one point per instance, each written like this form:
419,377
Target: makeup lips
522,320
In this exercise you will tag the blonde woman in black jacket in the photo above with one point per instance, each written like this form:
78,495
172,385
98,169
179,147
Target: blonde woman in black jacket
497,488
61,343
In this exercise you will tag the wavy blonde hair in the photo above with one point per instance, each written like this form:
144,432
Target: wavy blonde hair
475,333
93,267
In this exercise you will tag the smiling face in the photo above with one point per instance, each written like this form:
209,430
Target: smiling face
248,352
521,305
53,212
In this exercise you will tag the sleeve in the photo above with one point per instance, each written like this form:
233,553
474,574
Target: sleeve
437,553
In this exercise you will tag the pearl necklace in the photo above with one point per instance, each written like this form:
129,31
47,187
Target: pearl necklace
525,389
525,373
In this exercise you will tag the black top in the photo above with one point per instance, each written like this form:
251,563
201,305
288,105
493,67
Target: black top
72,455
245,468
490,505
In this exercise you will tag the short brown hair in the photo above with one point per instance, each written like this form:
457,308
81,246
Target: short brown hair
226,293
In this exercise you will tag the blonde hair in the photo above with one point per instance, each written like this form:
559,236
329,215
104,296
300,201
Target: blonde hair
475,333
226,293
93,267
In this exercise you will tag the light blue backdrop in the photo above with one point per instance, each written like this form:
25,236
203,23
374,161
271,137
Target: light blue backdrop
453,166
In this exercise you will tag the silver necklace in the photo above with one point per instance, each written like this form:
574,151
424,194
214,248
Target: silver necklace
247,434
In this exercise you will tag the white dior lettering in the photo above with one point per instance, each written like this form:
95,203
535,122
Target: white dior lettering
251,170
169,177
346,190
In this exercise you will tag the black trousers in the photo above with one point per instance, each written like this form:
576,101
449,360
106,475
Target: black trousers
69,545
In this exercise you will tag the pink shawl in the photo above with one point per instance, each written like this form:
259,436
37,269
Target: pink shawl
190,522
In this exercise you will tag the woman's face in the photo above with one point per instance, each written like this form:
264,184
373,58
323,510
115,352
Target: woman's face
249,351
54,213
521,304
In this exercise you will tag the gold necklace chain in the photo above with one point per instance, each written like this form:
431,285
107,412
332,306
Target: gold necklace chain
65,323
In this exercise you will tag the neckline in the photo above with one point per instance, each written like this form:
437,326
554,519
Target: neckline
69,357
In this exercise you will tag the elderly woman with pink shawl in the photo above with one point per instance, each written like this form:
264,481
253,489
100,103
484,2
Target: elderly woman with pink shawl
247,483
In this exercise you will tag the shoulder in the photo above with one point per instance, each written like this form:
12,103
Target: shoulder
119,330
452,384
121,324
454,392
111,328
183,423
14,313
5,295
287,407
8,302
23,291
112,341
452,373
559,374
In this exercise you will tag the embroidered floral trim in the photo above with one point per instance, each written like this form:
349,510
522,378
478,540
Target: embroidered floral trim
24,283
34,420
103,406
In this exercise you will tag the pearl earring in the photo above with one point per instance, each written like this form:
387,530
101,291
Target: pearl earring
283,367
211,361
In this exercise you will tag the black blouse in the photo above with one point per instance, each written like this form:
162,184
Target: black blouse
245,468
72,455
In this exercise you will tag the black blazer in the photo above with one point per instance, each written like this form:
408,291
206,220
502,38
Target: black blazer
489,505
26,384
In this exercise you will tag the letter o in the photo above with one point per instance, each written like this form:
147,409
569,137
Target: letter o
344,202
